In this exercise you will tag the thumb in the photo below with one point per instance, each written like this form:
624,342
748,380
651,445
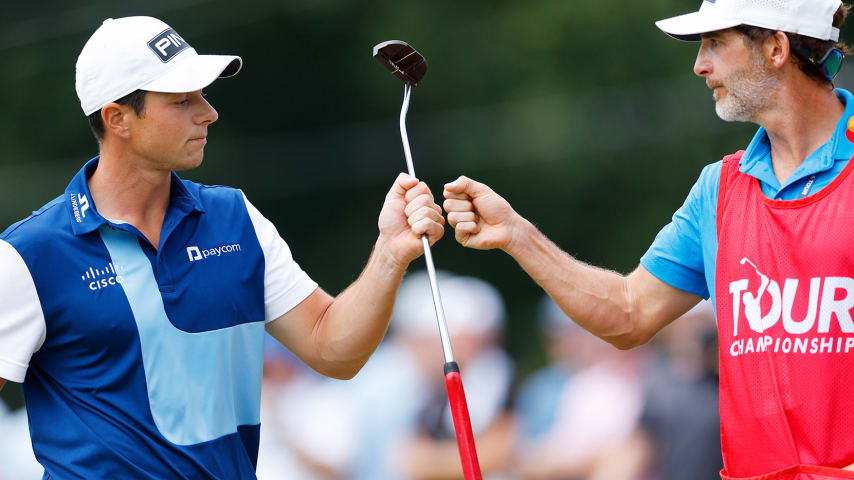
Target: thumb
402,183
467,186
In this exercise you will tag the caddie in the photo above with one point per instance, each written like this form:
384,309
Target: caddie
766,233
134,305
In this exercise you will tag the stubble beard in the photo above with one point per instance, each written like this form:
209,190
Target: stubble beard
749,92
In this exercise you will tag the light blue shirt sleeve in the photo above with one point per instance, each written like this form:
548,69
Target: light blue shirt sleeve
683,253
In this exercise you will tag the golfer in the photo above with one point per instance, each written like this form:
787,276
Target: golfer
766,233
133,307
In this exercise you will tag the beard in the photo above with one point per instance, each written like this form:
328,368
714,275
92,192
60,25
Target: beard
749,91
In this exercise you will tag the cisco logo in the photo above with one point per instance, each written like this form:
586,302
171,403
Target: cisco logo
195,254
100,278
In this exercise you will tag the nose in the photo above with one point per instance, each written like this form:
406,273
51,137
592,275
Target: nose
702,65
208,114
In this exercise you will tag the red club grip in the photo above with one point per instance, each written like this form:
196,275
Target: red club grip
462,423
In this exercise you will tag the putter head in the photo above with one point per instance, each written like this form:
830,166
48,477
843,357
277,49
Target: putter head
403,61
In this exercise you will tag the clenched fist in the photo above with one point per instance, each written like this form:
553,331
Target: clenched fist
481,218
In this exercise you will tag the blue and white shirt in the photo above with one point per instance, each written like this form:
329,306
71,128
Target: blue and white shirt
142,362
684,251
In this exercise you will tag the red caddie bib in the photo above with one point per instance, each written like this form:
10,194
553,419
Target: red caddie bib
784,292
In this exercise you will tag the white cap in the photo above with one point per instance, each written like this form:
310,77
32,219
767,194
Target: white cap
812,18
143,53
472,306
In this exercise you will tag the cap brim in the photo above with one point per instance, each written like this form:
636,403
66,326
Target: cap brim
688,27
195,73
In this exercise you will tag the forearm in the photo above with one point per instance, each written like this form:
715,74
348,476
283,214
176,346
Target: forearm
623,310
596,299
356,321
335,336
2,383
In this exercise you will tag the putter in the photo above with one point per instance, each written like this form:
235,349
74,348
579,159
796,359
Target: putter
405,63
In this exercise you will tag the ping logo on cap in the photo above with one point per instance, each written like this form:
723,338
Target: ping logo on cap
167,44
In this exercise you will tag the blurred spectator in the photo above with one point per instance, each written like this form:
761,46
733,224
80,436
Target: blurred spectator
307,422
407,431
680,419
579,409
17,461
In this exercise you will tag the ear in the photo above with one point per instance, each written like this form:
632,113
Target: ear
116,120
777,50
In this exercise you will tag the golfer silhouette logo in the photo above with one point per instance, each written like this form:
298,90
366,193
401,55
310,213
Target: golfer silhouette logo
752,303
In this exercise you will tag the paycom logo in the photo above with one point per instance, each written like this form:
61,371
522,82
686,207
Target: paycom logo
195,254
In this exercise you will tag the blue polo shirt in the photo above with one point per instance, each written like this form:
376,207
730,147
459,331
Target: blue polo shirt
142,361
684,251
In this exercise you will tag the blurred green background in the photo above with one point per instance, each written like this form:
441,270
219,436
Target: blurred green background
581,113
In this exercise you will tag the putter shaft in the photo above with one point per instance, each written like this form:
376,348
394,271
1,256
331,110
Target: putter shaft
428,256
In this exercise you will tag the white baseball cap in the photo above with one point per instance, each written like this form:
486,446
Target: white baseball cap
472,306
143,53
812,18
